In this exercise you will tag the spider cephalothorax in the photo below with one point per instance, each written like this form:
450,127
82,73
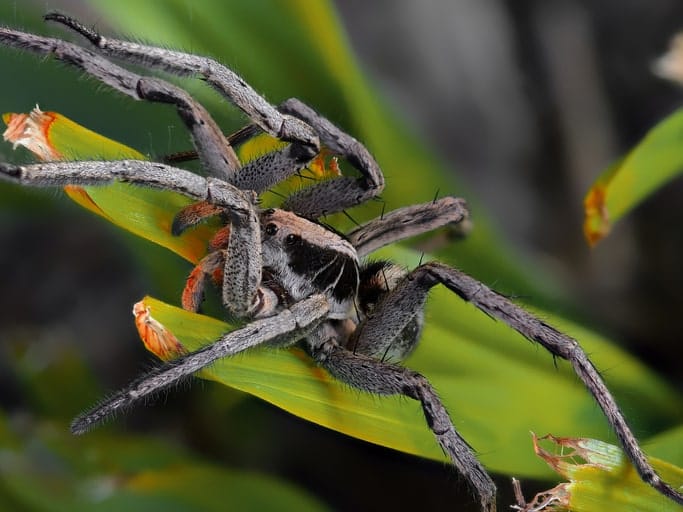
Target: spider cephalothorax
306,259
289,278
301,258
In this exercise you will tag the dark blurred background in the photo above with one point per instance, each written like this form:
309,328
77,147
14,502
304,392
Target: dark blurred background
531,100
528,100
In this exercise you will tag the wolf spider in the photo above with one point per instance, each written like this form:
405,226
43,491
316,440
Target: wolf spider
293,279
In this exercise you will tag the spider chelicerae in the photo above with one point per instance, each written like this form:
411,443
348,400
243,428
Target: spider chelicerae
293,279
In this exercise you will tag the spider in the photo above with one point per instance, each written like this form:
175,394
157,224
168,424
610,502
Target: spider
292,279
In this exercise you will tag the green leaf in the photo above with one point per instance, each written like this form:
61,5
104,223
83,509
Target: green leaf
462,354
470,359
667,445
655,161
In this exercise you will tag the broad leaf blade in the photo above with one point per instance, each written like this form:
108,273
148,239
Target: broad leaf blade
453,360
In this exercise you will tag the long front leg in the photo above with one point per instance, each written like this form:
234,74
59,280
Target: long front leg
283,329
396,311
225,81
98,173
380,378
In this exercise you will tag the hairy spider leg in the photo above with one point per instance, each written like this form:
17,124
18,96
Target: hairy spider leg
224,80
213,148
337,194
398,307
210,267
298,124
368,374
281,330
407,222
192,215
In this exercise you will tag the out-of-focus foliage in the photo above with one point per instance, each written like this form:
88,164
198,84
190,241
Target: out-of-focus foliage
43,468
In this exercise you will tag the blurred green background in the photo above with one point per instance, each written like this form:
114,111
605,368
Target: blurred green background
526,102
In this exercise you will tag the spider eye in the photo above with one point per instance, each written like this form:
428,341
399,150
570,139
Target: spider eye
269,211
271,229
292,239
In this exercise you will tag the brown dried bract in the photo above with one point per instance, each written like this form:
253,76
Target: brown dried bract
31,131
157,339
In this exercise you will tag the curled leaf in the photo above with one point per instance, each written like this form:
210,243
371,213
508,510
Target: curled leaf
600,478
52,136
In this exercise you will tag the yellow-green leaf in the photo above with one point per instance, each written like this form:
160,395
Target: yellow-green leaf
461,350
655,161
290,380
146,213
